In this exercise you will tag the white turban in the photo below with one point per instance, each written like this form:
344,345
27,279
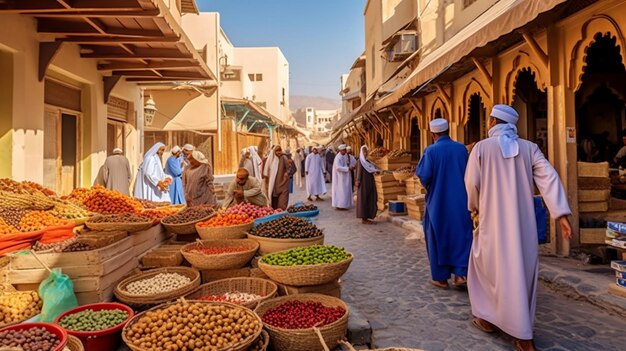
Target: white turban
341,147
505,113
438,125
175,149
117,150
188,147
199,156
348,147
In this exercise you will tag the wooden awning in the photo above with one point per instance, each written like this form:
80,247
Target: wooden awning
136,39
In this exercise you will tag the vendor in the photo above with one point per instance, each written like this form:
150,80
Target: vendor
244,189
620,158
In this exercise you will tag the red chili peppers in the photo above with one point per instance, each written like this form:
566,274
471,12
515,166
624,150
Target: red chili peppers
302,315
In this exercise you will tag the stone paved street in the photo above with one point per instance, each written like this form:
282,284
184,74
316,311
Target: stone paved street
388,284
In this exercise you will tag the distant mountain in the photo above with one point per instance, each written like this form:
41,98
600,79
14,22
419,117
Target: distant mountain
317,102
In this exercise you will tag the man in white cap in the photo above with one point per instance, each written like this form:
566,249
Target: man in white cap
116,172
447,223
198,181
342,180
503,264
184,159
314,168
173,169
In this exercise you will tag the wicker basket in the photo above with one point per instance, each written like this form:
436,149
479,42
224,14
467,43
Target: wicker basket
143,301
124,227
350,348
306,275
262,287
74,344
270,245
305,339
223,233
266,341
240,346
233,260
185,228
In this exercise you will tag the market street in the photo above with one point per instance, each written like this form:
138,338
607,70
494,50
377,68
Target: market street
388,283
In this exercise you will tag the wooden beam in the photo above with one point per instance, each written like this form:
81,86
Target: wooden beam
132,66
483,70
34,6
165,79
47,51
444,94
100,14
153,74
64,27
536,48
118,40
381,120
394,115
64,4
139,54
417,108
109,84
371,120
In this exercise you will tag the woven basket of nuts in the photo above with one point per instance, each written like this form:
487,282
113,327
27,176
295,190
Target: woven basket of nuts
157,286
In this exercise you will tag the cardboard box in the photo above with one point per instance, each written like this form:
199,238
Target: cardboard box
586,207
594,195
330,289
592,235
588,169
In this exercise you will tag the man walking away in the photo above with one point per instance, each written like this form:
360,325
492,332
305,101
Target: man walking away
366,196
173,169
503,264
298,161
315,170
342,182
278,170
116,172
329,158
352,165
447,223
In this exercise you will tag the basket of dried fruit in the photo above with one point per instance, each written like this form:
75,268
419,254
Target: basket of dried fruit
184,222
236,333
225,226
306,266
284,233
289,331
18,306
128,222
220,254
404,173
157,286
245,291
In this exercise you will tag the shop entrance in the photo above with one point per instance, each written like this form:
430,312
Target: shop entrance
475,126
600,102
532,105
415,140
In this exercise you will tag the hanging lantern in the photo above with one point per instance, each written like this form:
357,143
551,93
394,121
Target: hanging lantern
149,110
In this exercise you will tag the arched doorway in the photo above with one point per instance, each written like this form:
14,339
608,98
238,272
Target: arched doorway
600,101
475,126
415,140
532,105
438,113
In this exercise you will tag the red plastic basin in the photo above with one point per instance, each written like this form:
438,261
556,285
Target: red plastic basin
101,340
52,328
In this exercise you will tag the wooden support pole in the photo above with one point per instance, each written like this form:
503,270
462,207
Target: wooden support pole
385,126
444,94
371,120
536,48
413,102
109,84
483,70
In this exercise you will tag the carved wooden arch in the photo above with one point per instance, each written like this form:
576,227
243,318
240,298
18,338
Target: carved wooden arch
473,87
523,62
438,103
578,61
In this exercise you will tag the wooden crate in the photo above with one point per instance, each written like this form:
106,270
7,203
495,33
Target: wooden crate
586,207
588,169
163,256
101,239
381,178
594,195
71,259
592,235
147,240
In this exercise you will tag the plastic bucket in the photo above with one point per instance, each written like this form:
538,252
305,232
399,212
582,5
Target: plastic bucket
101,340
60,333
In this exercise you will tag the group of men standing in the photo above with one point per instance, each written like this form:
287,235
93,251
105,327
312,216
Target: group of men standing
480,221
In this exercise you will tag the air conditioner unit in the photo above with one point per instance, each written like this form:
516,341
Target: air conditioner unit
403,48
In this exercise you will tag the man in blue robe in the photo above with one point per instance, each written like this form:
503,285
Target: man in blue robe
174,169
447,222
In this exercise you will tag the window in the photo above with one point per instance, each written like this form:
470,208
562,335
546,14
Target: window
259,77
251,77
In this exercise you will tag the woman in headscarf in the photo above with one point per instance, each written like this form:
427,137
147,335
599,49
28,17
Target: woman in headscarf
256,162
247,162
366,196
151,179
198,180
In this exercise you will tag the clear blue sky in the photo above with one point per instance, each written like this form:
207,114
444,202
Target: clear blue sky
321,39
